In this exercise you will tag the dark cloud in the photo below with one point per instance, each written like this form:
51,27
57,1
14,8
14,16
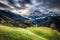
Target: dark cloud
15,3
20,2
49,3
3,5
27,1
52,3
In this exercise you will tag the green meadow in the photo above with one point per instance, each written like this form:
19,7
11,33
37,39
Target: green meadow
32,33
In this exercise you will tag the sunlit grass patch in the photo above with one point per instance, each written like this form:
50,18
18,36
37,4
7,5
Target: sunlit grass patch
45,32
34,33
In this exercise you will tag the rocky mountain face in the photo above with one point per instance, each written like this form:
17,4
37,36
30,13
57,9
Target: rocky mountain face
45,18
9,18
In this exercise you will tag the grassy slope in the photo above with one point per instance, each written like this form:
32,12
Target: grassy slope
12,33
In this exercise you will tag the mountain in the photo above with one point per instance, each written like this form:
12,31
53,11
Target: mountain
9,18
45,18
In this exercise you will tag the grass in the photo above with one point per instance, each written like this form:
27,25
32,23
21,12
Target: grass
33,33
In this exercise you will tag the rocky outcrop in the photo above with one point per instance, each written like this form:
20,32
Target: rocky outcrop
9,18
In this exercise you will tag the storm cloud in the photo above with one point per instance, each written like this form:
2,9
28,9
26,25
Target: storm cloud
50,3
21,4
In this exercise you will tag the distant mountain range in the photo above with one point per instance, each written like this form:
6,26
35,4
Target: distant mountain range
36,18
44,18
13,19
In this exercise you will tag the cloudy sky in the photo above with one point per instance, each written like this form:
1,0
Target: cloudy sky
25,5
17,3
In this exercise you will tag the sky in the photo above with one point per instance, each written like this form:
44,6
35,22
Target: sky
16,3
23,6
53,3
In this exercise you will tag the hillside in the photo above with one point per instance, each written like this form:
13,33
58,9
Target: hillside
12,19
41,33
